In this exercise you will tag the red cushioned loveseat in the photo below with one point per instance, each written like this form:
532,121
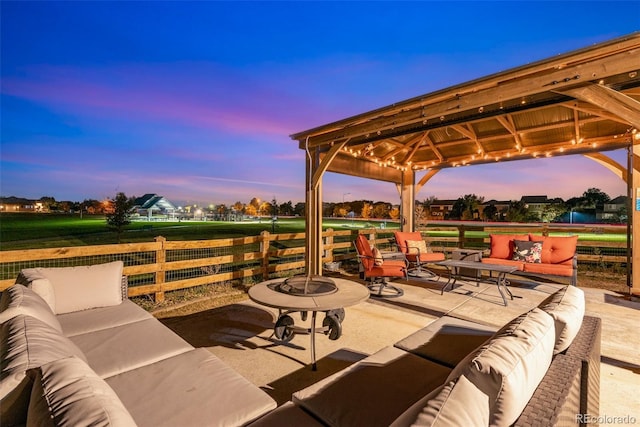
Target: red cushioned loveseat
557,257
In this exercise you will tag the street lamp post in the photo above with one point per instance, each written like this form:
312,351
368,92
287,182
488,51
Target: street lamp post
344,194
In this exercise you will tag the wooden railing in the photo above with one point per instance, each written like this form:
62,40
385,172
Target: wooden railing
162,266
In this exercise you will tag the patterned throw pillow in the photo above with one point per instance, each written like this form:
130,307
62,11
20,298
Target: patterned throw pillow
527,251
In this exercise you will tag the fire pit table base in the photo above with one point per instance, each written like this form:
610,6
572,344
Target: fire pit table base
332,304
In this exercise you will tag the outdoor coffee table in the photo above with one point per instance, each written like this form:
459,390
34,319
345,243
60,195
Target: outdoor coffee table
272,293
453,266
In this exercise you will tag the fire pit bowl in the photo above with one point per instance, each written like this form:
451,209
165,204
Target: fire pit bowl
306,286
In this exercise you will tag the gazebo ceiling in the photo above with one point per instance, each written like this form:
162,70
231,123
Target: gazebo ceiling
580,102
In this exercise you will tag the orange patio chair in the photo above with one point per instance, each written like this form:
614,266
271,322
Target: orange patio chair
377,269
417,252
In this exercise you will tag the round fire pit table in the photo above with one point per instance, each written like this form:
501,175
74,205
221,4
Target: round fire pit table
308,294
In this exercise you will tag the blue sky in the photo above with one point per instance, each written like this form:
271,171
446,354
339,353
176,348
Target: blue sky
195,101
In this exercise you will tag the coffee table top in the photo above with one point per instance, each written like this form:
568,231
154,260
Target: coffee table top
500,268
348,293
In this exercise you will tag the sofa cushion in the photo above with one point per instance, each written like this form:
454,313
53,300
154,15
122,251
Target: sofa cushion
526,251
509,367
567,307
96,319
19,299
125,347
287,414
66,392
550,269
557,249
457,403
25,343
384,384
447,340
192,389
501,245
84,287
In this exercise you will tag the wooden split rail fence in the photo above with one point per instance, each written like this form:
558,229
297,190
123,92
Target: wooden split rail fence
162,266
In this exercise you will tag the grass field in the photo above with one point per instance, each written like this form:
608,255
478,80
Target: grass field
37,231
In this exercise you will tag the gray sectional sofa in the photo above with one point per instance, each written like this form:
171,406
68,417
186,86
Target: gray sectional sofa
75,351
540,369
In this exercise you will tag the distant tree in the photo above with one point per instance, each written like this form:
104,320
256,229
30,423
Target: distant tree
466,207
239,207
381,210
552,212
366,210
595,198
265,209
420,213
120,216
299,209
250,210
394,212
517,211
286,208
490,212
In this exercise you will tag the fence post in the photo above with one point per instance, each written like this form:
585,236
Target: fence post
328,243
161,259
461,237
264,251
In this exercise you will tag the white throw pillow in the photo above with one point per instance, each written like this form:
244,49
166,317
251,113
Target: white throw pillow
567,307
19,299
33,279
85,287
417,246
67,392
377,257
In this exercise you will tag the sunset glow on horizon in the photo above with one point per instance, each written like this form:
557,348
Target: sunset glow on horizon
195,101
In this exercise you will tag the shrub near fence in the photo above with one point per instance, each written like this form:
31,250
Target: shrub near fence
162,266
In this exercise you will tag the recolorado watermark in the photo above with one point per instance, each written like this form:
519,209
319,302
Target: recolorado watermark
605,419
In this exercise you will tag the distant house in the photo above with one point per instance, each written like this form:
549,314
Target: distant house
152,204
502,206
440,209
611,210
18,204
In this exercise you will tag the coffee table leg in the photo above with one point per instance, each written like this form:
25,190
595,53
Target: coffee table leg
502,283
451,280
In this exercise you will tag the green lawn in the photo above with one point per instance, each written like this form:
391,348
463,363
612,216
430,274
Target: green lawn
26,231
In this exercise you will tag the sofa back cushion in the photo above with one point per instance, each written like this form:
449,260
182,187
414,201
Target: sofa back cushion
25,343
458,403
67,392
557,249
83,287
19,299
509,367
502,245
566,307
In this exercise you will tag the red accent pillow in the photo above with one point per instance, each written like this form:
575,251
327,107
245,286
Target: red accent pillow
557,249
502,245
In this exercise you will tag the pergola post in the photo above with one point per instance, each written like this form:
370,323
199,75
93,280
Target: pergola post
634,217
407,200
313,224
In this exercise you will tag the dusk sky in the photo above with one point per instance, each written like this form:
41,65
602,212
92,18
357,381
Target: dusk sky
195,101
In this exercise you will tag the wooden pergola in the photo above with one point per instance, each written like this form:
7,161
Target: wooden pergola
584,102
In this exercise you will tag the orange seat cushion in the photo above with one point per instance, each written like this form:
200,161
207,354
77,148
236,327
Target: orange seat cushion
554,269
502,245
403,236
557,249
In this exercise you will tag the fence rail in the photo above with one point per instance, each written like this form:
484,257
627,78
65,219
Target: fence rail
163,266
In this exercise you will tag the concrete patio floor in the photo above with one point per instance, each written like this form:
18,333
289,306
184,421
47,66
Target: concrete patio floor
241,335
